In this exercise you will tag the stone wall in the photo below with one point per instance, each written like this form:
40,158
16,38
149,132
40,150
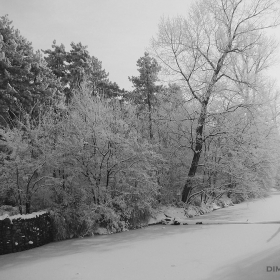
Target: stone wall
21,233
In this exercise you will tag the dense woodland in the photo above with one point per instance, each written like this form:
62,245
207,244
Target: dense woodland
201,121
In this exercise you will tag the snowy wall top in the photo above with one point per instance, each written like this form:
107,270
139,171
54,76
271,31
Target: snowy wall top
24,217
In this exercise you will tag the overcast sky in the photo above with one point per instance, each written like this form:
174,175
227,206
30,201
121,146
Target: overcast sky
117,32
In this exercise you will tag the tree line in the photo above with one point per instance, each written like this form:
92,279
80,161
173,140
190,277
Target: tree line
200,123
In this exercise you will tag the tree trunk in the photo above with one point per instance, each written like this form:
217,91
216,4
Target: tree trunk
150,115
19,194
197,152
27,207
28,204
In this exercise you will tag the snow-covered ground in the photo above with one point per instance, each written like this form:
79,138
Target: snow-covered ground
190,252
259,210
254,211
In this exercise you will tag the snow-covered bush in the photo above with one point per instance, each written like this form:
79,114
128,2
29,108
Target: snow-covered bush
106,169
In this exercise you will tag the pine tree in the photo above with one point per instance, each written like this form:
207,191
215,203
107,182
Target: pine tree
145,87
77,67
25,80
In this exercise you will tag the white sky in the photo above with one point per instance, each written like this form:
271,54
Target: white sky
117,32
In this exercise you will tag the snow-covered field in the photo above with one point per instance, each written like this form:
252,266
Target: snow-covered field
190,252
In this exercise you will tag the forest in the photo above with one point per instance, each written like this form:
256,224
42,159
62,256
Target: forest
200,123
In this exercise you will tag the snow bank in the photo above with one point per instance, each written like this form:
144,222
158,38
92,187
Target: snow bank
167,215
176,216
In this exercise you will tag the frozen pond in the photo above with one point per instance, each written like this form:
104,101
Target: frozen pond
220,252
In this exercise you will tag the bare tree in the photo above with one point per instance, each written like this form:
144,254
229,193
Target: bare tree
204,51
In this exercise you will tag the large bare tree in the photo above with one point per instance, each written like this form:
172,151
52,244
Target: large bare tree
207,52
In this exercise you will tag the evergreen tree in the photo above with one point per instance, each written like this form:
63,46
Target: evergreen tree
25,80
77,67
145,87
